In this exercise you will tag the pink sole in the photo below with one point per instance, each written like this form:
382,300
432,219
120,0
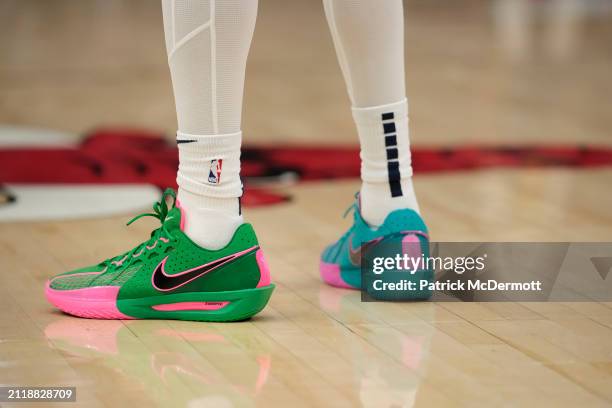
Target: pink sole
264,270
330,273
172,307
99,302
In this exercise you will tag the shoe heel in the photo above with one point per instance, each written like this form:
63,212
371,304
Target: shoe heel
413,244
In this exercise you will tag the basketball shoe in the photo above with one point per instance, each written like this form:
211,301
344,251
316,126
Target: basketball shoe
170,277
403,231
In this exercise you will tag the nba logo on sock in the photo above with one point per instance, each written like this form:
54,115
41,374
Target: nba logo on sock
214,175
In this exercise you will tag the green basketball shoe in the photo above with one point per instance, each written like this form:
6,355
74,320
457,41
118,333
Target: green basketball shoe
170,277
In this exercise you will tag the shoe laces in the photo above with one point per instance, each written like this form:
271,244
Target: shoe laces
353,207
160,211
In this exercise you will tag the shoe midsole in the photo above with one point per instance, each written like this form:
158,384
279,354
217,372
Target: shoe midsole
222,304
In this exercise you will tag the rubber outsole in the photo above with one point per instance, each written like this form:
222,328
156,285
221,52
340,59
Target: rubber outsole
334,276
102,303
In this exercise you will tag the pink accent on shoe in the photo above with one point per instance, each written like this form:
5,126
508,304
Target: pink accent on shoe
264,269
330,273
98,302
120,262
411,245
178,205
165,240
171,307
416,232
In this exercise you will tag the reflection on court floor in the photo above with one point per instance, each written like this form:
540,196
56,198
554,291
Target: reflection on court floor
168,364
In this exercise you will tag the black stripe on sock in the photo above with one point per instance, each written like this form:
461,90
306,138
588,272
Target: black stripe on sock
394,178
179,141
389,127
393,169
392,153
396,189
241,195
390,141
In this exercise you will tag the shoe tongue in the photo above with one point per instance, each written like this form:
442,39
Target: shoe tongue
173,219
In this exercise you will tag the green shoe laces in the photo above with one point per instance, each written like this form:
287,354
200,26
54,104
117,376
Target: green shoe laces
160,211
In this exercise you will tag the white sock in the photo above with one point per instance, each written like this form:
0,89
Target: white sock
369,40
210,187
207,43
386,170
209,222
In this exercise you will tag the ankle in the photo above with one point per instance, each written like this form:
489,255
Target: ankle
210,222
376,202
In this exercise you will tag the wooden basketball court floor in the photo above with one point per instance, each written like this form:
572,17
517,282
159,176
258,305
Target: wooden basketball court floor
478,72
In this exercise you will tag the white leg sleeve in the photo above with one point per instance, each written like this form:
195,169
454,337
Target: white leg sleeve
208,42
369,40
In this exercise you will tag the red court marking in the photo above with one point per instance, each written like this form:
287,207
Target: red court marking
131,156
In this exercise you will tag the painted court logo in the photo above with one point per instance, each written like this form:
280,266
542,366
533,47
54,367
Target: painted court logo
214,175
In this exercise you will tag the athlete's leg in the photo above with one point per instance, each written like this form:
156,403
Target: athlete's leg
369,40
368,36
168,275
207,43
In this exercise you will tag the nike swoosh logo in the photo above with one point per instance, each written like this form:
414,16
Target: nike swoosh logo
165,282
355,254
